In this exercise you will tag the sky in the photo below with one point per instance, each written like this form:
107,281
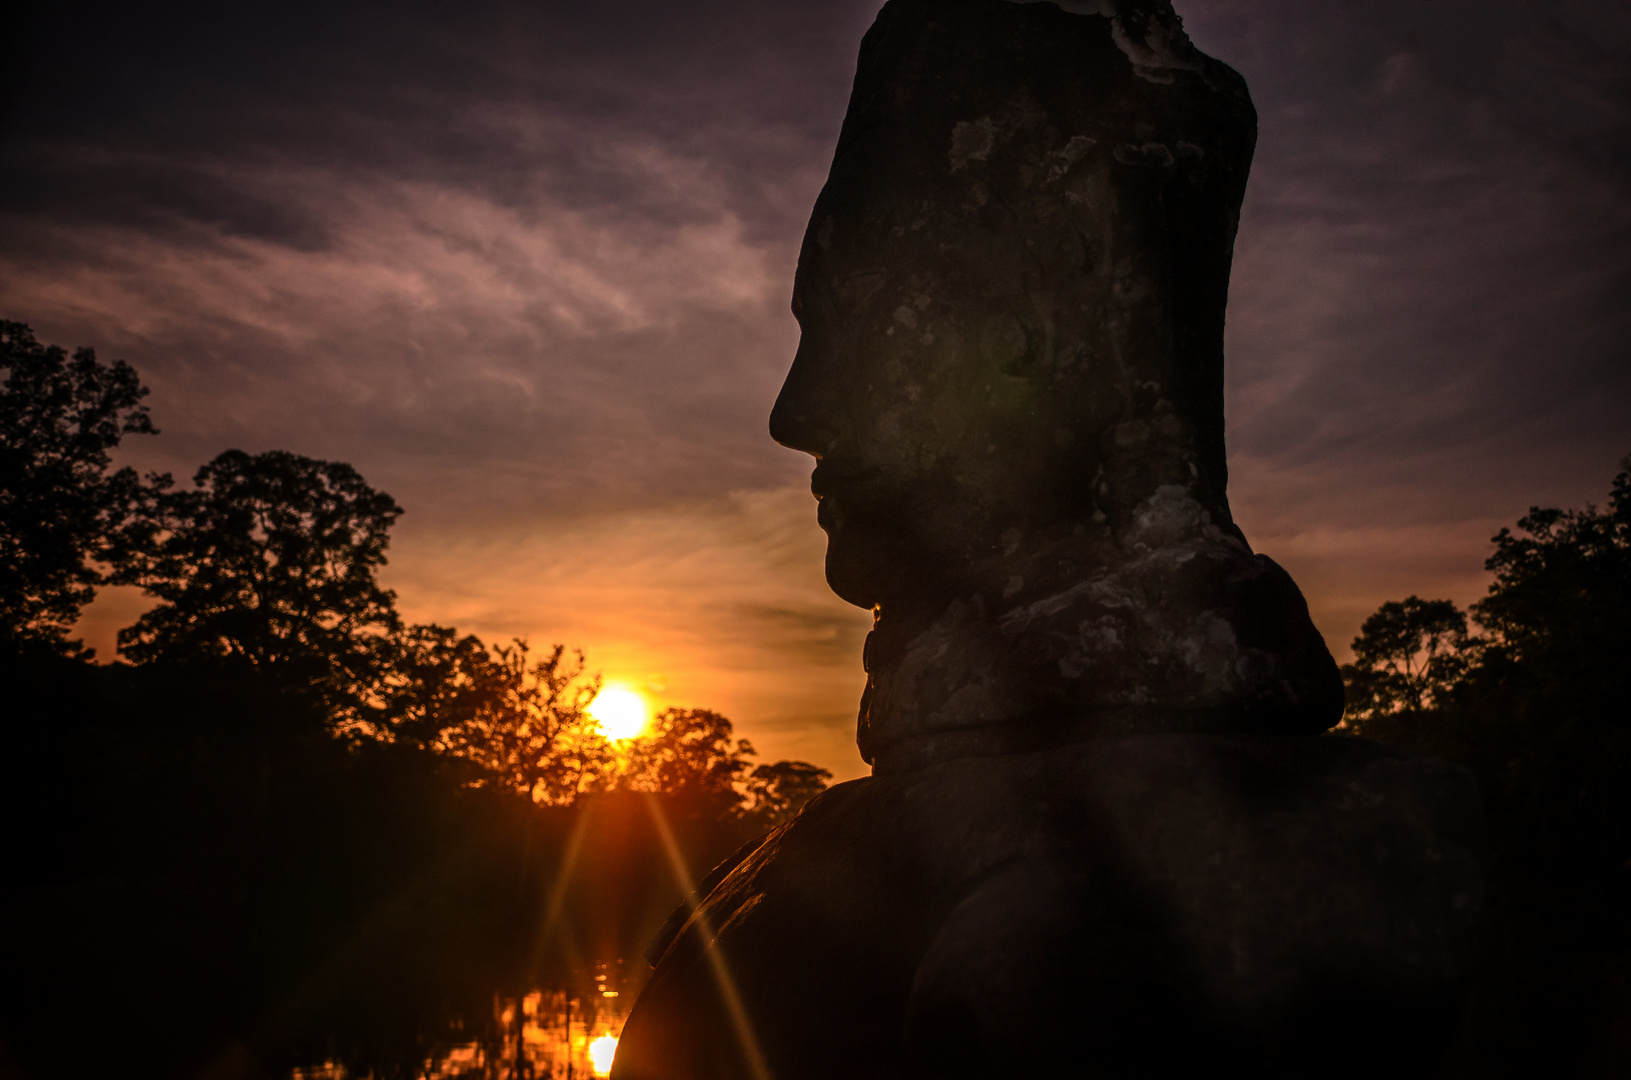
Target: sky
527,267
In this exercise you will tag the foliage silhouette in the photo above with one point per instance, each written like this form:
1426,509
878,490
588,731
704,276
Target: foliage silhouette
1536,707
211,860
293,829
270,562
434,679
778,791
689,750
531,732
1408,656
61,510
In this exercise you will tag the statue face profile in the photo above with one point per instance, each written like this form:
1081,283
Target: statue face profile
934,452
1011,298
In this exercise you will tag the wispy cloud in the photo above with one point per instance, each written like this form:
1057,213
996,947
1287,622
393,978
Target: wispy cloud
1428,330
611,360
527,267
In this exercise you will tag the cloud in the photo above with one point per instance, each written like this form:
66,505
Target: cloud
593,361
809,635
1427,329
526,266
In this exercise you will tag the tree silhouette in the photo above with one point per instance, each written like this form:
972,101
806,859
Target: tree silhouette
1552,683
270,563
433,679
1562,592
311,831
690,753
777,792
529,728
1536,708
61,509
1408,656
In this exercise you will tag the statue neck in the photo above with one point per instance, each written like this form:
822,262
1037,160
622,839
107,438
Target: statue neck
1171,628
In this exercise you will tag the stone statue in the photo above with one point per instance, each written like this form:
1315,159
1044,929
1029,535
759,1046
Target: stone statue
1101,838
1011,371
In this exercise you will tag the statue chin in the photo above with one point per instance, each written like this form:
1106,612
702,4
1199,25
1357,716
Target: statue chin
846,584
869,565
857,569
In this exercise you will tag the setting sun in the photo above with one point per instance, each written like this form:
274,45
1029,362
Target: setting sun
620,712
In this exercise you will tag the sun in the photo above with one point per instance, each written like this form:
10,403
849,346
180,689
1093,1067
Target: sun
620,712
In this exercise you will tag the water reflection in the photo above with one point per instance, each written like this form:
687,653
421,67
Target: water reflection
601,1053
547,1035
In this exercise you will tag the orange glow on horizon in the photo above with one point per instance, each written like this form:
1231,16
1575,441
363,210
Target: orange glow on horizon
625,587
621,711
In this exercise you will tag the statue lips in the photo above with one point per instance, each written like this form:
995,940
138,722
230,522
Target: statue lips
830,480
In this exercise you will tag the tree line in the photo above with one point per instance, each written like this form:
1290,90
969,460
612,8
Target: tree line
267,567
1529,689
288,826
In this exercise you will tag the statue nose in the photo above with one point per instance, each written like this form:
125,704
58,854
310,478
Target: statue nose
807,411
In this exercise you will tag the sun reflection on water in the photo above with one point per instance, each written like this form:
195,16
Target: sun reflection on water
559,1037
601,1052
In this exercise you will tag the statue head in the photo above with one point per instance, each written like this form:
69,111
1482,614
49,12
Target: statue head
1011,296
1012,290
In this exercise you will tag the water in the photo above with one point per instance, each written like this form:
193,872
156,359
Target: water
558,1038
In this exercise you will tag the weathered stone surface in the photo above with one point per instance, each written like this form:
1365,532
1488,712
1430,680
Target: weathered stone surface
1137,906
1012,300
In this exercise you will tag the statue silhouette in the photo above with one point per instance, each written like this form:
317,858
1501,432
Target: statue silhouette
1101,837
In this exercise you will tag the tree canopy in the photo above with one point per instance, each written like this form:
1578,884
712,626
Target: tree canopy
267,569
63,508
270,561
1535,706
689,750
530,730
304,828
1407,657
435,679
778,791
